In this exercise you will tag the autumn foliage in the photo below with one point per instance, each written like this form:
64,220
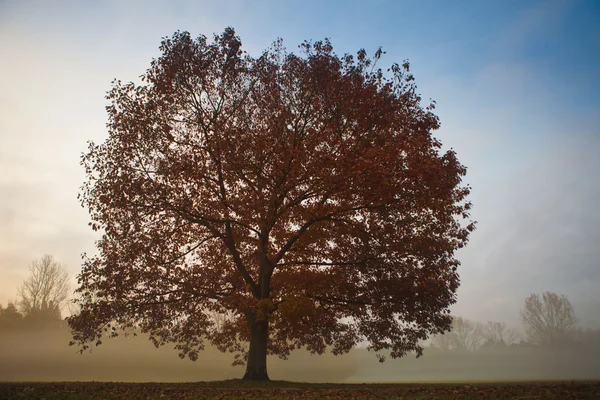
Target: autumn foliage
303,196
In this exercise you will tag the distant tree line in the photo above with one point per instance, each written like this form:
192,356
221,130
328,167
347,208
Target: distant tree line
467,335
41,297
548,321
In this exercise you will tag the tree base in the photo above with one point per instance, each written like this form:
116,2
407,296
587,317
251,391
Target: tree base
256,375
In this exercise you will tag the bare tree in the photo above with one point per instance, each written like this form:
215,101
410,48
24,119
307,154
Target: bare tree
469,334
46,288
549,319
445,341
497,334
465,335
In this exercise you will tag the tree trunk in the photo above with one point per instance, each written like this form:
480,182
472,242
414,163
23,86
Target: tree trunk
256,367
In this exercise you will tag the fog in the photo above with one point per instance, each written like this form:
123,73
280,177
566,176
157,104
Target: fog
44,355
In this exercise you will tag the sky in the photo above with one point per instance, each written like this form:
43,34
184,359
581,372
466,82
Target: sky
516,85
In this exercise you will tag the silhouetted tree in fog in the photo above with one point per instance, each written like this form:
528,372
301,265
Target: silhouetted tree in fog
549,319
469,334
10,317
465,335
444,341
303,196
43,294
496,334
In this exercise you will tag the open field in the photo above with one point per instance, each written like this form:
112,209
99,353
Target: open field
237,389
46,356
34,356
40,365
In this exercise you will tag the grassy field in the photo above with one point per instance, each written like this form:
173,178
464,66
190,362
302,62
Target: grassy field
237,389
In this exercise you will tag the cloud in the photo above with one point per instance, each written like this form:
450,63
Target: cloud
538,231
36,219
529,27
531,143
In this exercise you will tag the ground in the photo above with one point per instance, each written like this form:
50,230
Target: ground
236,389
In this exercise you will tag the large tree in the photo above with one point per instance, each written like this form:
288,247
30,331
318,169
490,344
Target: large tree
303,196
549,319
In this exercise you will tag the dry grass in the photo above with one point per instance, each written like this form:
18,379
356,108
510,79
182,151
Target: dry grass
236,389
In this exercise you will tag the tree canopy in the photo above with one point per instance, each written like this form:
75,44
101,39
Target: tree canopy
303,195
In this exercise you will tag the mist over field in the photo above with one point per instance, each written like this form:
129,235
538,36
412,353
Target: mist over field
44,355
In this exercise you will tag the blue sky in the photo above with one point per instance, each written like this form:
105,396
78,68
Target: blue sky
515,82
